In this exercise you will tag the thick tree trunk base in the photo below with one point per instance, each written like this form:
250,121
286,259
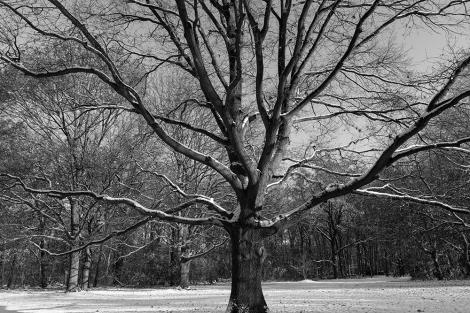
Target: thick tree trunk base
234,307
247,258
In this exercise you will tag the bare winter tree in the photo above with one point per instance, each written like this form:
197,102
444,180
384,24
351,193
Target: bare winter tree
68,146
324,66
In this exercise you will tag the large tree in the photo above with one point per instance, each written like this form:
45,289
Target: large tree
263,67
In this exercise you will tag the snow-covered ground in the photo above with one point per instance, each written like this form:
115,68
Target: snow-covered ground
351,295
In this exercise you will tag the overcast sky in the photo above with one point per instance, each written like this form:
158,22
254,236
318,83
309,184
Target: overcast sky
425,47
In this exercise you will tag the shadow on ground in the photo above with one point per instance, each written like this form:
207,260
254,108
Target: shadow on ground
4,310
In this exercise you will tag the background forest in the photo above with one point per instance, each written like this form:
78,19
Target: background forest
353,236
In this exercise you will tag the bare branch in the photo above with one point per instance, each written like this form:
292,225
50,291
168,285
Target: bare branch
450,208
163,215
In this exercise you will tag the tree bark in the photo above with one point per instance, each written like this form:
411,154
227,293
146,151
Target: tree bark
11,277
66,274
74,265
184,274
247,260
86,269
117,271
184,265
334,264
465,256
334,254
43,265
72,280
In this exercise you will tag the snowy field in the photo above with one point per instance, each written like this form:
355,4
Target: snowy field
378,294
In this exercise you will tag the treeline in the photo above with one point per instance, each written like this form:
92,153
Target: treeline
373,243
364,236
58,160
354,237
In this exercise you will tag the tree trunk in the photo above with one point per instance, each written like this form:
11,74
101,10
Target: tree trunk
334,264
22,276
303,252
371,260
466,265
360,267
97,268
247,259
86,269
437,267
184,265
117,271
341,265
66,273
11,277
465,256
4,260
72,280
304,266
334,256
184,274
386,264
43,265
74,265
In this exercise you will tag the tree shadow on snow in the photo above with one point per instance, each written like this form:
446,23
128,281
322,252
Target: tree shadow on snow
4,310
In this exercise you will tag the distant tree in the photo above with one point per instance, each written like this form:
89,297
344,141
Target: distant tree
332,223
73,151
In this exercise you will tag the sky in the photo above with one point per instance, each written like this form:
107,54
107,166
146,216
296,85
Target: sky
425,47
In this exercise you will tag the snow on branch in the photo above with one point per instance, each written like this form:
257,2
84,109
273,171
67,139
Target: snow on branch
167,215
441,145
384,160
116,82
199,198
304,164
98,241
440,204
